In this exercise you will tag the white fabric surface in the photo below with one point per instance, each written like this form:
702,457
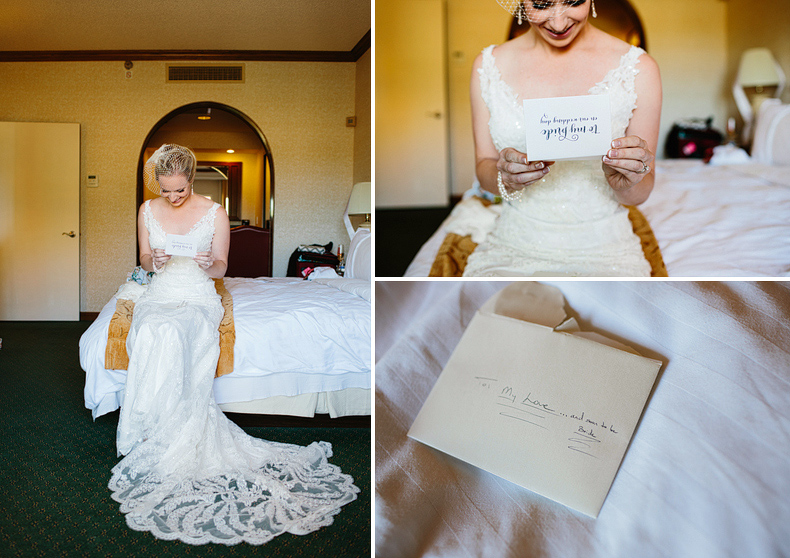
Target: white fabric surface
340,403
292,337
707,472
359,257
710,221
771,143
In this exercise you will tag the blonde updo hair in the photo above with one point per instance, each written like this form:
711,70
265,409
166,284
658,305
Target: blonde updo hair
169,160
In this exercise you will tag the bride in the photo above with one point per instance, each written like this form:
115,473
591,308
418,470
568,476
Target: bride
564,218
189,472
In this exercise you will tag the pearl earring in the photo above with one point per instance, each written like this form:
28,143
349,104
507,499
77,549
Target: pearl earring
593,9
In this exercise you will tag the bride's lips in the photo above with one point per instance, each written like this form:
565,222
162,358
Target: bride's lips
561,35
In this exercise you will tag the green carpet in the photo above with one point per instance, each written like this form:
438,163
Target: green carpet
55,463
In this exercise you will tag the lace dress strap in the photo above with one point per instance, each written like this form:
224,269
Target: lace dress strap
489,74
619,83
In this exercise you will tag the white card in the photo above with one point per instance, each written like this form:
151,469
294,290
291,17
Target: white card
567,127
181,245
549,410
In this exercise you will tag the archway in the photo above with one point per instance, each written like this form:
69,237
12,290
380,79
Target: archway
234,154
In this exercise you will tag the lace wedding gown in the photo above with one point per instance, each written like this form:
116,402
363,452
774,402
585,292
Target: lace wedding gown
189,472
568,223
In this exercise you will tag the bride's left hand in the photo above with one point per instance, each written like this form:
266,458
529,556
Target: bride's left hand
204,259
627,163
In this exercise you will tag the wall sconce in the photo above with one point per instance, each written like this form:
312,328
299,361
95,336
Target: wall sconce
760,77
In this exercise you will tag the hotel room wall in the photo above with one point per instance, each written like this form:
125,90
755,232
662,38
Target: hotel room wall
688,40
300,106
757,24
362,165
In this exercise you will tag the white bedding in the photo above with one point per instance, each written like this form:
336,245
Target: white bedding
710,221
707,472
292,337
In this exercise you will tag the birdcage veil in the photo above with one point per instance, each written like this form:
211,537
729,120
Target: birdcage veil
169,160
537,10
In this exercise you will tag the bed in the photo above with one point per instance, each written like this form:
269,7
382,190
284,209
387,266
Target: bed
302,347
706,473
726,218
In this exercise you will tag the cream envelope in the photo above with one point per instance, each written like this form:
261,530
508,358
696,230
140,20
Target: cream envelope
181,245
567,127
548,409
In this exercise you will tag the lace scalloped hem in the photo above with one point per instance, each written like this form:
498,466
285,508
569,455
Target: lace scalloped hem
227,509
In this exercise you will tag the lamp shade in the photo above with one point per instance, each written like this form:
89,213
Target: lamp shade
758,68
359,201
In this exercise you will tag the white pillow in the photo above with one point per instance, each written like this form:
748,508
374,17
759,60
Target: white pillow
358,256
771,144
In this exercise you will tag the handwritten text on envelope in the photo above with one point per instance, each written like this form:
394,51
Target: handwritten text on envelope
567,127
547,410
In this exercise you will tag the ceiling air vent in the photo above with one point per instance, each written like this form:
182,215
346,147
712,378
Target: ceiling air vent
228,73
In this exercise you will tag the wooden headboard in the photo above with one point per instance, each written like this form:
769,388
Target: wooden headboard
250,252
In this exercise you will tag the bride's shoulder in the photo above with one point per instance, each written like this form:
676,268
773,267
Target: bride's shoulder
614,47
207,205
509,56
511,50
146,204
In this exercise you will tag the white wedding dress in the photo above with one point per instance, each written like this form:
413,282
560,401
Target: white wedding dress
189,472
568,223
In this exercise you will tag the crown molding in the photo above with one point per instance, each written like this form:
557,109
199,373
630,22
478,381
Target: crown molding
195,55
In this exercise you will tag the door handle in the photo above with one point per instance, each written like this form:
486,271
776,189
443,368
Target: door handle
69,234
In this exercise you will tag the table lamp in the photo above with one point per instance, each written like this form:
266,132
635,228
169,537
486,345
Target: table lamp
359,202
758,74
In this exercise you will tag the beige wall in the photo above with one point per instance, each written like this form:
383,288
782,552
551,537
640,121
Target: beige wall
687,38
763,23
299,106
362,168
689,42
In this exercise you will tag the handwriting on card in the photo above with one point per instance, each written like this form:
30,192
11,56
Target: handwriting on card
181,245
571,129
586,434
567,127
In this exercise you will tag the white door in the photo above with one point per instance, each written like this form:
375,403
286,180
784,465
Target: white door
411,104
39,221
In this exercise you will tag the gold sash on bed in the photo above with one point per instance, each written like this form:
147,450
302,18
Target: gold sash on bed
454,251
116,358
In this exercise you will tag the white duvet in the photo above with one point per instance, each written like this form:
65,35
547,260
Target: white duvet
707,473
292,337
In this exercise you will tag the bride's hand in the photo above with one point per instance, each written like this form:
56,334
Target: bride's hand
204,259
516,170
159,259
627,163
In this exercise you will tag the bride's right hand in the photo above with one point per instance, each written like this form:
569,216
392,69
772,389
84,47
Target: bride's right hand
516,170
159,258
